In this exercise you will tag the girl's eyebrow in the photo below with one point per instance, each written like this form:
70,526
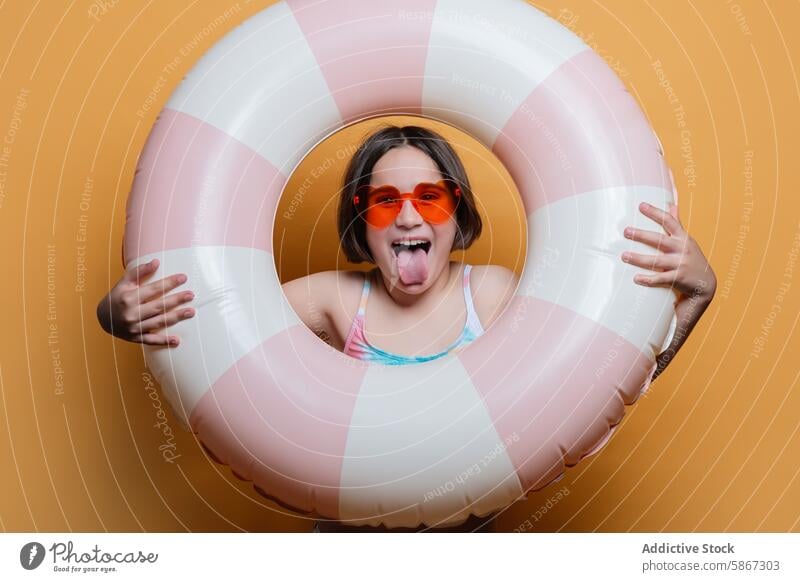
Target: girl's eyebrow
434,182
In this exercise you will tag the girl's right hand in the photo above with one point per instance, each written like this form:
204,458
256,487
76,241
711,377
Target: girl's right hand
135,312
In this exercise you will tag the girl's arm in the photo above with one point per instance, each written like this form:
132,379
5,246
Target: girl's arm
680,265
140,312
689,309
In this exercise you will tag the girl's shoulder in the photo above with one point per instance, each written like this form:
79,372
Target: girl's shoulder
497,273
324,291
492,288
347,284
327,282
339,291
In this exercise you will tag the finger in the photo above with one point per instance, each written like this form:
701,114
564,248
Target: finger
648,237
137,274
673,210
158,288
659,262
157,339
164,304
666,279
665,219
162,321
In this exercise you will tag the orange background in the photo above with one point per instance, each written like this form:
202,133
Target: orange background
713,446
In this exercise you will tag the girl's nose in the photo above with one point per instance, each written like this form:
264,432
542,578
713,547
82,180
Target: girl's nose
408,215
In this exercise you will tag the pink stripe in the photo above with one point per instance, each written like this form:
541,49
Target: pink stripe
280,418
196,185
580,130
372,56
564,377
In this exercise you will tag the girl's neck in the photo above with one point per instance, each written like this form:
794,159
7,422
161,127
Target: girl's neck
440,286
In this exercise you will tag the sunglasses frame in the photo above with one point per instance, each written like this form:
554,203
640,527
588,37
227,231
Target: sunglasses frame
449,185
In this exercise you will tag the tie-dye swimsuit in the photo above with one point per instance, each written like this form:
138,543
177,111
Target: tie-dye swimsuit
358,347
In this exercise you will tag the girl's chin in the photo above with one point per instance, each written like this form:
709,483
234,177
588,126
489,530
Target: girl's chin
412,287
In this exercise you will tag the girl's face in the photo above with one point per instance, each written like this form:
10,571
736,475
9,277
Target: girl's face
412,270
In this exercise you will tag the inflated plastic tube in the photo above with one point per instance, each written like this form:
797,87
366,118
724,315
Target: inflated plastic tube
474,431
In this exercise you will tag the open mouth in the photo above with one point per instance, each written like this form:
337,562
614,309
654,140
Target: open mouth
411,245
411,256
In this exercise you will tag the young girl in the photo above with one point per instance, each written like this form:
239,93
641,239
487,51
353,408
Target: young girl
406,205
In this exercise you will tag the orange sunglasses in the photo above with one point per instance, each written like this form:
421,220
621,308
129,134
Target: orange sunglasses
435,203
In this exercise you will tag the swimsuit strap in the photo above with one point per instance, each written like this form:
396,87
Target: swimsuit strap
356,328
362,306
473,321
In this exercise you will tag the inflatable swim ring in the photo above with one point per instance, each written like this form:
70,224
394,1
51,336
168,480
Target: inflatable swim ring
429,443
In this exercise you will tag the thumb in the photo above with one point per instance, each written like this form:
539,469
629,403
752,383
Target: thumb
136,274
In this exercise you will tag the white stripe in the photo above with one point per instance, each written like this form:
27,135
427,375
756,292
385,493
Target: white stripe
575,248
483,63
422,447
262,85
239,304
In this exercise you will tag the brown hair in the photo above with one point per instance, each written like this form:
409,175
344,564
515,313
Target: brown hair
352,227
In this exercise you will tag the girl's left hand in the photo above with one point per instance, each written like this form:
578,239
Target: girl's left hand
680,264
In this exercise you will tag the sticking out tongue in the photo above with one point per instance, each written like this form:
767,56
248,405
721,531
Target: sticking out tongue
412,266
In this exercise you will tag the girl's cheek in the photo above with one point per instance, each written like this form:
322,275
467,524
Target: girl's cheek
445,236
374,243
